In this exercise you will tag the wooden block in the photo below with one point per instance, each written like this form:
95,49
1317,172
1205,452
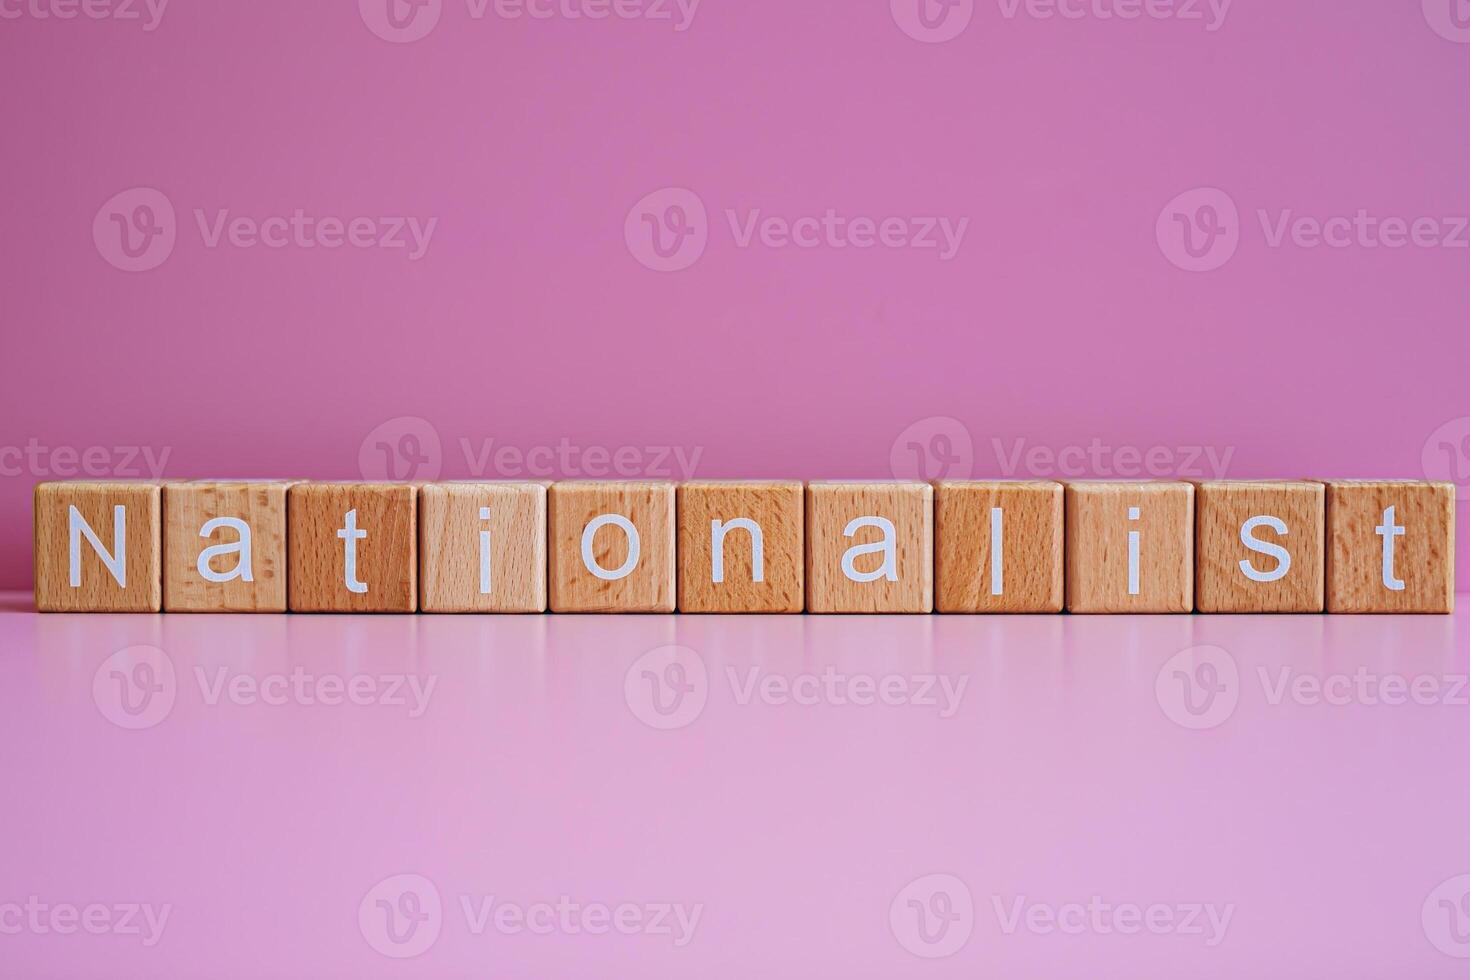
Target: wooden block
1281,570
870,547
611,546
224,546
482,547
1024,573
98,547
1390,546
723,528
1130,547
353,547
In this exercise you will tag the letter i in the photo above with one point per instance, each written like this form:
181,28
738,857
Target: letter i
484,554
1133,554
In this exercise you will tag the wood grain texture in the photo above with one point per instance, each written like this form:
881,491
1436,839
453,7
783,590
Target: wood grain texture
1423,554
187,507
830,507
1098,528
650,584
778,509
1031,570
387,557
141,553
1222,507
450,526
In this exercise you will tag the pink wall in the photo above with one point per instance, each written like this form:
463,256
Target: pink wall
533,318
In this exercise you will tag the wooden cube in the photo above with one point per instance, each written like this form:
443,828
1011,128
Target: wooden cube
998,546
1258,546
482,547
1390,547
1130,547
611,546
224,546
353,547
98,547
740,547
870,547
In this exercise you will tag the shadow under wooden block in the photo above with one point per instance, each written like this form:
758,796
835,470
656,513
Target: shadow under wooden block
482,547
98,547
353,547
611,546
1390,546
740,547
1258,546
224,546
870,547
1130,547
998,546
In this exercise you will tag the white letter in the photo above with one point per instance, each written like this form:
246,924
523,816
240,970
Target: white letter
242,548
1388,531
717,532
889,568
350,534
1282,556
484,554
117,561
997,552
590,560
1133,554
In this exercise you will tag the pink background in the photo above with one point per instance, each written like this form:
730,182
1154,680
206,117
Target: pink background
529,321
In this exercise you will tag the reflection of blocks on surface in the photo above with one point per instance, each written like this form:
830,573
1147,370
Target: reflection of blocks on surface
611,546
224,546
869,547
353,547
98,547
482,547
998,546
1390,546
740,547
1130,547
1259,546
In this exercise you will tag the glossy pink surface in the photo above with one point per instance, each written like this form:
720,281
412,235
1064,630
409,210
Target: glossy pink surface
1278,797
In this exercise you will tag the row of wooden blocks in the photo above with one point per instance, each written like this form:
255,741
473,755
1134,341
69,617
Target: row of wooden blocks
746,547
